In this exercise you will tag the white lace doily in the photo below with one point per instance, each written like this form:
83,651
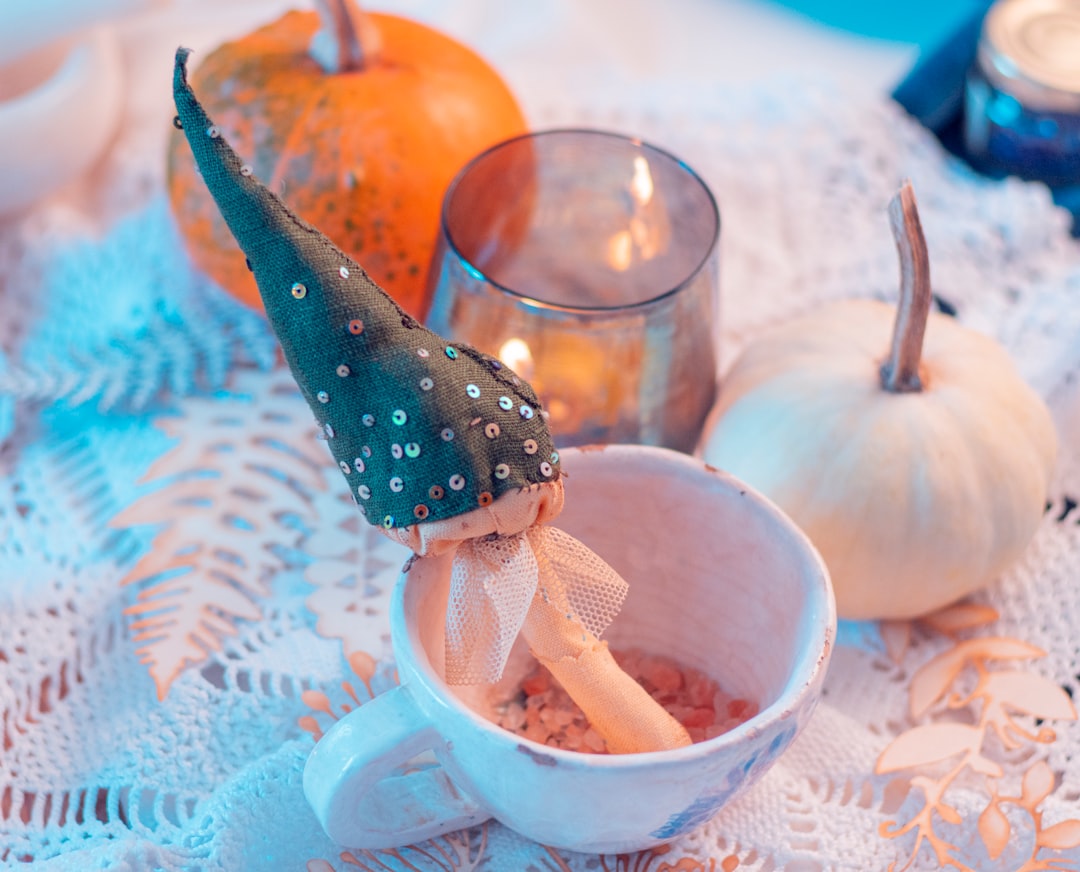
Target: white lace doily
150,430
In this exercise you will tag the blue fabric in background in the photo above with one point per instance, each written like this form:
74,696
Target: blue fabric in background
925,23
934,89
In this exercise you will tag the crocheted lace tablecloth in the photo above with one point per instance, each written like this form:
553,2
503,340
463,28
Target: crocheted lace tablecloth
149,437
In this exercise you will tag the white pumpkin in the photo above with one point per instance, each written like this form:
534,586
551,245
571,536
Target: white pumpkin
919,473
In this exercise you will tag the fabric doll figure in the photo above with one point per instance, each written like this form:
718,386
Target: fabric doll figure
442,447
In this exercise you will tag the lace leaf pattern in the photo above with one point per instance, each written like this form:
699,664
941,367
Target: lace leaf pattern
351,568
351,562
219,503
464,851
471,850
976,705
660,859
364,668
123,322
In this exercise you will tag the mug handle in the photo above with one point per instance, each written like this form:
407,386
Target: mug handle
350,783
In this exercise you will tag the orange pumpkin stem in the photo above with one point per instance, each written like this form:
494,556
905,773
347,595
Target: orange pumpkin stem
900,372
338,46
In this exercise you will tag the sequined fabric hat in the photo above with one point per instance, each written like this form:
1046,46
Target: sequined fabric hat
423,429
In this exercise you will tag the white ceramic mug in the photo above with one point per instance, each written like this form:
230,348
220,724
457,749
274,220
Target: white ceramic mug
720,580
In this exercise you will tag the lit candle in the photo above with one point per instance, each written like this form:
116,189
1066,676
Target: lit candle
560,256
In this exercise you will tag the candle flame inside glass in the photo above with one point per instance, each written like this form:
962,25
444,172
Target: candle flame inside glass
515,354
620,251
638,240
641,186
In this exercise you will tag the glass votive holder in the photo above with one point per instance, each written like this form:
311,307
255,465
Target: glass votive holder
588,263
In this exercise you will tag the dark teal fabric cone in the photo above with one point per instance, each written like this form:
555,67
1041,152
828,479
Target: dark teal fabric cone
422,428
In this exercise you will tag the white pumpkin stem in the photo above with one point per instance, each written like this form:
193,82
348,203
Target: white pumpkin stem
341,43
900,372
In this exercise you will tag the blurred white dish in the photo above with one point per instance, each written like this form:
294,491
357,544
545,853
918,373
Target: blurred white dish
59,106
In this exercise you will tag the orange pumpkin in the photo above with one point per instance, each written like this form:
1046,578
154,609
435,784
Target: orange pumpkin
364,150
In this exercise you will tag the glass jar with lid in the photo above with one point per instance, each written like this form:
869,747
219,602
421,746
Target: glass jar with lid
1022,96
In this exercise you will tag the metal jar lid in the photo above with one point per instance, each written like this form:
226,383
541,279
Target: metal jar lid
1031,50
